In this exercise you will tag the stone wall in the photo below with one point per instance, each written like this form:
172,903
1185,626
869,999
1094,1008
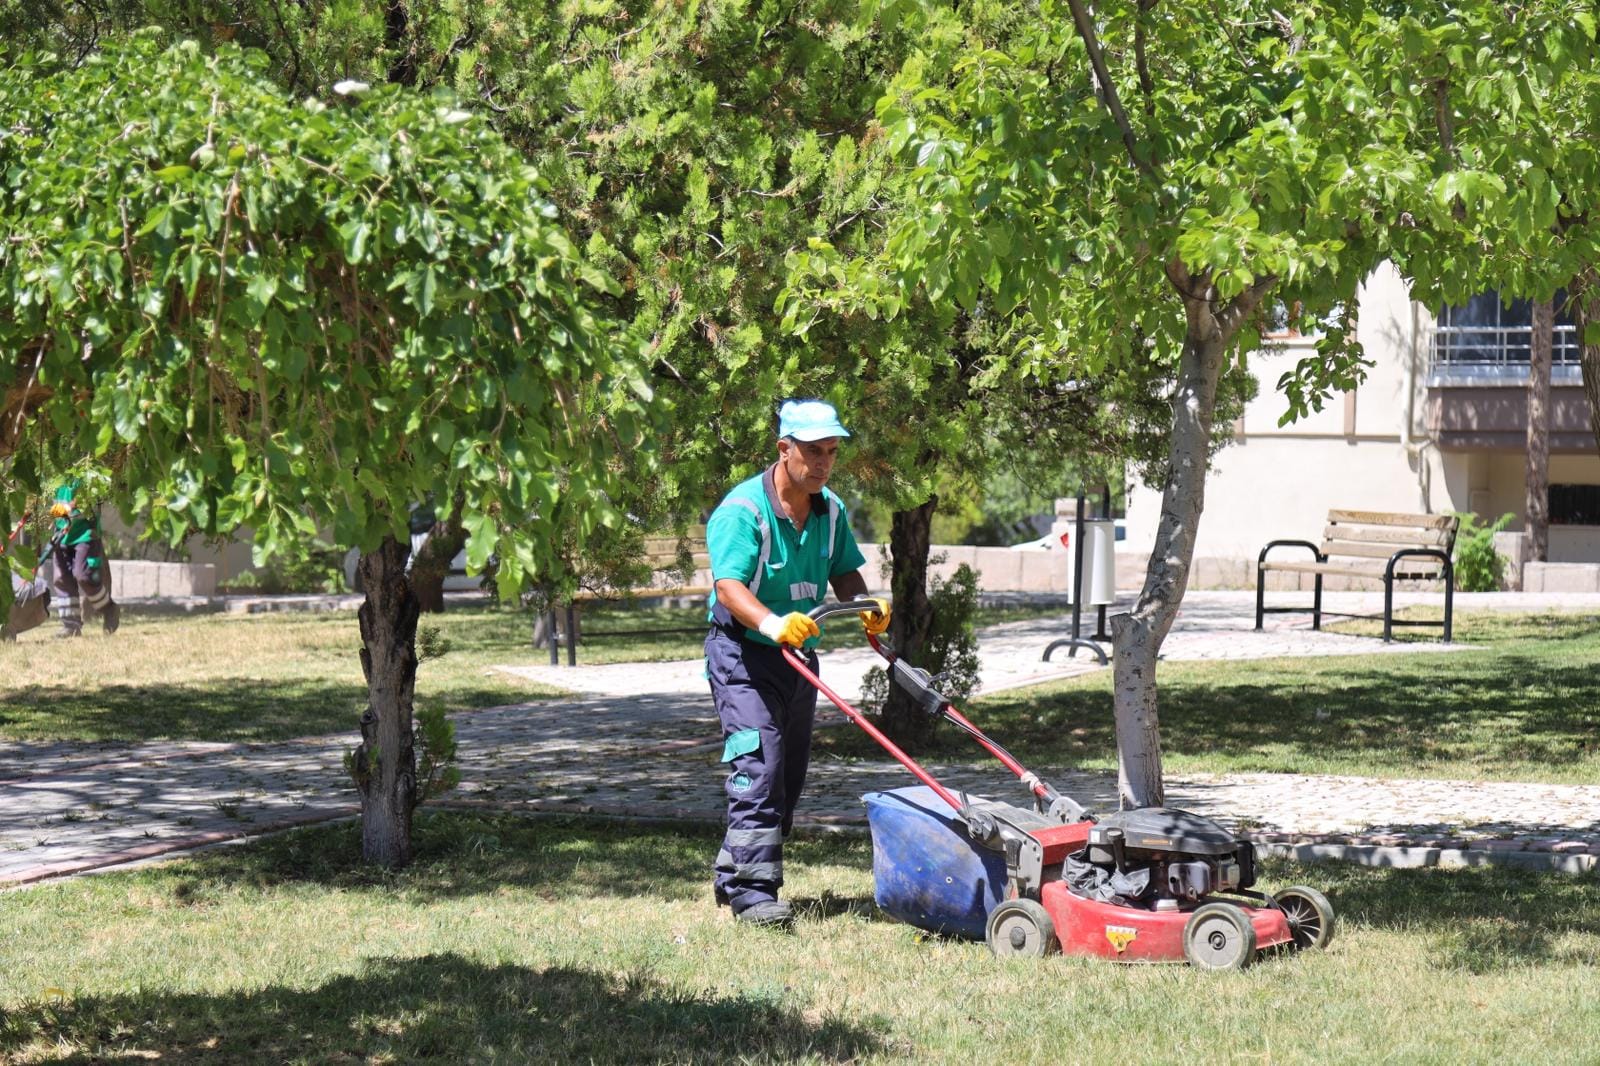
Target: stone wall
137,580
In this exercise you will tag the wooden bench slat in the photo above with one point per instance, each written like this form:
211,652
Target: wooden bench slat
1406,571
1400,538
1367,551
1394,518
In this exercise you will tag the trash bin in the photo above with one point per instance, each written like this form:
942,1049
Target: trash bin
1099,563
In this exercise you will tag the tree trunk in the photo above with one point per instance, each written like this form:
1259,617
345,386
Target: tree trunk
396,24
1536,541
903,720
1585,304
432,564
1136,636
384,764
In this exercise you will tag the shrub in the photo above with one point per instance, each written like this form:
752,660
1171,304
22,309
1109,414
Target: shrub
1478,566
951,653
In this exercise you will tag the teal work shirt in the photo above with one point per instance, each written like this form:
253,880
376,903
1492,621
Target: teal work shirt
752,541
77,527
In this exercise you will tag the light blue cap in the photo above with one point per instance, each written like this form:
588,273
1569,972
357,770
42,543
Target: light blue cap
809,420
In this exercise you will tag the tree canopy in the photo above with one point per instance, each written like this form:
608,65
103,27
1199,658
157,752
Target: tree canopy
1146,181
289,314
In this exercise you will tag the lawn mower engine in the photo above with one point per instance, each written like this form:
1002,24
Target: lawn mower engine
1161,853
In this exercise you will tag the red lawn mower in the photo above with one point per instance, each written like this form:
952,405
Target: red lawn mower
1155,884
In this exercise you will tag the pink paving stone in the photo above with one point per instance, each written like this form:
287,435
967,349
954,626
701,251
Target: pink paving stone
1496,845
1571,847
1541,843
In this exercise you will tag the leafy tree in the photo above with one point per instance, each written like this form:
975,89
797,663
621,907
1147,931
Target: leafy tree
290,316
704,155
1505,108
1141,180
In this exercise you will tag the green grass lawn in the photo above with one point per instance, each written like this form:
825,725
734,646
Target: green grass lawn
274,676
566,941
241,677
1523,705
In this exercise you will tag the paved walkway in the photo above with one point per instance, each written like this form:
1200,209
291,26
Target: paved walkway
640,740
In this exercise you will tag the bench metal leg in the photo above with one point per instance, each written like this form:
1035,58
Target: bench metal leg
1261,595
572,635
1316,604
1388,610
1449,598
555,655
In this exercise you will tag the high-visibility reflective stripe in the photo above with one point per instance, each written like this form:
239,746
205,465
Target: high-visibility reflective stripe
758,871
803,590
766,537
753,838
833,526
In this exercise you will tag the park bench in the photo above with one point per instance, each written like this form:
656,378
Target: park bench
1375,545
661,553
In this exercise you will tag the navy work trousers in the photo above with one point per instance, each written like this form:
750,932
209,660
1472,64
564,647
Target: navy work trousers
766,709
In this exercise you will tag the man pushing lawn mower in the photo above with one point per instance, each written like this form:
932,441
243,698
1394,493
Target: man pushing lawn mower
777,543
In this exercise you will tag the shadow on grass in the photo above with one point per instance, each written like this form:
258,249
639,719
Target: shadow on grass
459,854
1484,919
441,1008
242,710
1504,710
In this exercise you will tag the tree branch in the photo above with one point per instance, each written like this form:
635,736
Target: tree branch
1108,91
1141,63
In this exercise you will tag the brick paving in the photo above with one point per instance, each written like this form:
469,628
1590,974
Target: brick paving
639,740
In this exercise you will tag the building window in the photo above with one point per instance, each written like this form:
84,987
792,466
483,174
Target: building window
1487,331
1575,505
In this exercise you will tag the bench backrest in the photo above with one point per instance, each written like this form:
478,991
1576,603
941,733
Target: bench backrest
662,551
1379,534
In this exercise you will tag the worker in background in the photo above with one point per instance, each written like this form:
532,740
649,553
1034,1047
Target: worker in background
82,574
777,542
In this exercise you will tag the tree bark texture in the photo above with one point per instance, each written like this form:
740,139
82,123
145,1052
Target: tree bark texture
1536,543
906,723
1585,296
432,564
384,763
1136,636
19,400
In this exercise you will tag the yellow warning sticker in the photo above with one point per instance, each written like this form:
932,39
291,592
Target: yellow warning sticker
1121,936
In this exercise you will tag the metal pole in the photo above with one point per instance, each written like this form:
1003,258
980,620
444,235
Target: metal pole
1077,640
1077,575
555,656
572,635
1105,513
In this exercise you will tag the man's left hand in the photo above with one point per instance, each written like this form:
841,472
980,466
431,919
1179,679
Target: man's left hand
876,622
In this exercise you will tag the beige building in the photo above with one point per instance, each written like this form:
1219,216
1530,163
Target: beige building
1439,424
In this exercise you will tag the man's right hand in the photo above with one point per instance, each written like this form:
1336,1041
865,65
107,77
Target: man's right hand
793,629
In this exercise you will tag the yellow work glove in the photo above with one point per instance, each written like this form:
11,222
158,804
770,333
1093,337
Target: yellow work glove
877,622
793,629
60,509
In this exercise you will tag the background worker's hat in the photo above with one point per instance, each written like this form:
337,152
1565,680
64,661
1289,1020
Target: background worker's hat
809,420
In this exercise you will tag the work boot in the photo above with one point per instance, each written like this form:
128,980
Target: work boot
720,896
769,912
111,616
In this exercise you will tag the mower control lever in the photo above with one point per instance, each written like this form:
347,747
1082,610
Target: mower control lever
828,610
920,684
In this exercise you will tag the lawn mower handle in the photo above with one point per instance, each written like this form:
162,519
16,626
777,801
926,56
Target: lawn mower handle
920,685
828,610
